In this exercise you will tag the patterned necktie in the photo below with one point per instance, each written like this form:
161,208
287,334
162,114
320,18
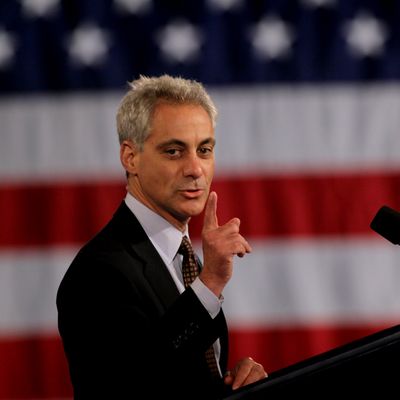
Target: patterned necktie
190,270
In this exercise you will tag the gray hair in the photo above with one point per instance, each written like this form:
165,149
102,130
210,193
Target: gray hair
137,107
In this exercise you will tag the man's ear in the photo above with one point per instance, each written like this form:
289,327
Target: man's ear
128,154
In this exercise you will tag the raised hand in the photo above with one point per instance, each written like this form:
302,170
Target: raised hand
220,245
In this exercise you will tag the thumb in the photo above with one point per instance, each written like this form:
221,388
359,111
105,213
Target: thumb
210,213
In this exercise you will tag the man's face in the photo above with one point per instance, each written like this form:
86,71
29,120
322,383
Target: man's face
173,172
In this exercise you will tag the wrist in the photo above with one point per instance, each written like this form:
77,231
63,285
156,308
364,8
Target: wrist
213,282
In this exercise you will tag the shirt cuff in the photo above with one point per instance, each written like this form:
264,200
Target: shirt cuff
209,300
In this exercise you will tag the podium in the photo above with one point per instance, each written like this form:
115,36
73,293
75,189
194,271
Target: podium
365,367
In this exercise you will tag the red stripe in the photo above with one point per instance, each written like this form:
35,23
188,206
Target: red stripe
59,213
280,347
35,368
70,213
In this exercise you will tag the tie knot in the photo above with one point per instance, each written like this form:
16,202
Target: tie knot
186,248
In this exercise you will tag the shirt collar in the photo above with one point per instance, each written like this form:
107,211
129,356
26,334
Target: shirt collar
165,237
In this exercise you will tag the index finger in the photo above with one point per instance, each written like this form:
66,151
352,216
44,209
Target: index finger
210,213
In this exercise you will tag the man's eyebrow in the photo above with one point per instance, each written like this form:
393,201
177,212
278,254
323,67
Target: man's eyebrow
178,142
209,140
170,143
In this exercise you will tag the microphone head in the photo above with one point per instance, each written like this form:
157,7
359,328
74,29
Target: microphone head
387,223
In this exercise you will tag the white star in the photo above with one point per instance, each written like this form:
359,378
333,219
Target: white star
318,3
39,8
271,38
365,35
224,5
88,45
7,48
179,41
134,6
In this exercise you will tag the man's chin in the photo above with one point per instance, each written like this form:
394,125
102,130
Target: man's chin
193,209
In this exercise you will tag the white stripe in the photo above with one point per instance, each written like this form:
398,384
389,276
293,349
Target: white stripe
69,136
288,282
308,128
28,284
321,281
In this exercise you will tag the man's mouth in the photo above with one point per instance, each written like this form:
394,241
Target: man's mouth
192,193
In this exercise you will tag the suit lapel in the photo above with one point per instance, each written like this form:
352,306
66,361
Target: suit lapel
154,269
156,272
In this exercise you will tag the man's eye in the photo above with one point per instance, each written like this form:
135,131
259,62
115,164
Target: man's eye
205,150
172,152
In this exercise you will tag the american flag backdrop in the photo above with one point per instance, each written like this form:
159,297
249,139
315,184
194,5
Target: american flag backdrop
308,149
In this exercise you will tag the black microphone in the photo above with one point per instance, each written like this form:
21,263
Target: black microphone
387,223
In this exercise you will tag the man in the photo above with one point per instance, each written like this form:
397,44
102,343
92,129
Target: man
132,326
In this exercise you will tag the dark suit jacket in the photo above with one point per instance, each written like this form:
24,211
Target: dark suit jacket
126,330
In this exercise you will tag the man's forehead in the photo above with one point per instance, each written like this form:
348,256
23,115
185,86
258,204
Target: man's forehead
183,142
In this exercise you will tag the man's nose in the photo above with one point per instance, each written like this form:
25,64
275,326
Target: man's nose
192,166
